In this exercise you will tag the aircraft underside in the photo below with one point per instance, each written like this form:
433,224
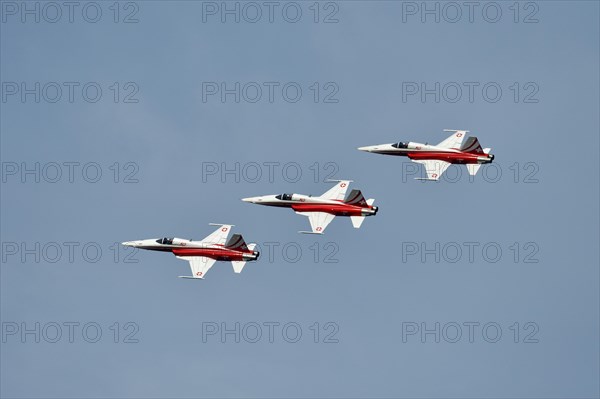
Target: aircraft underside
217,254
337,210
460,158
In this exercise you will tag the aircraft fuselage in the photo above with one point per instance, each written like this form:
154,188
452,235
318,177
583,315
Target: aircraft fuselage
182,247
418,151
305,203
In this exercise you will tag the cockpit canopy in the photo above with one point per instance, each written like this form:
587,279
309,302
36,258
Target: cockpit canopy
400,145
165,241
285,197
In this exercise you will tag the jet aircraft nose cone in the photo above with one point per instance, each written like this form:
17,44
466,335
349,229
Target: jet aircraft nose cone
252,200
127,243
369,148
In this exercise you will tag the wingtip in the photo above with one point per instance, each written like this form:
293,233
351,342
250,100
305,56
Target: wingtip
338,180
425,179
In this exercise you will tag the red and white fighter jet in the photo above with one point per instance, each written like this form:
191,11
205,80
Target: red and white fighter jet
437,158
203,254
323,209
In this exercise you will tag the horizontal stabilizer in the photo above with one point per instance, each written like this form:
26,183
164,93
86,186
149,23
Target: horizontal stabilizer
473,168
310,232
370,201
487,150
357,221
192,278
238,265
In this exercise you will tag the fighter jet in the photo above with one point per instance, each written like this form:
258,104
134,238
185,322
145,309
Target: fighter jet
437,158
321,210
203,254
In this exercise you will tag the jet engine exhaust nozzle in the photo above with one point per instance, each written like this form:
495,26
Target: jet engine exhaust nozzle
369,211
253,256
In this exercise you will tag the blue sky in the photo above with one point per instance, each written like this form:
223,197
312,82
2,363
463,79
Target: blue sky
543,206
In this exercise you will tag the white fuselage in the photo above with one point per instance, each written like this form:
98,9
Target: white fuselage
183,248
168,244
406,148
289,199
418,151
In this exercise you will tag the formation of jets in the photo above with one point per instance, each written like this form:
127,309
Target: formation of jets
320,210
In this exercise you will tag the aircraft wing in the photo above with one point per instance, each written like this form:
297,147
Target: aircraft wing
219,236
200,265
454,141
433,167
318,221
338,192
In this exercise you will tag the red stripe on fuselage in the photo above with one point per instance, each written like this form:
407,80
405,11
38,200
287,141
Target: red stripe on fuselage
451,157
214,253
334,209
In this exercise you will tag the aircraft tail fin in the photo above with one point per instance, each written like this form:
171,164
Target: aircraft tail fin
237,242
356,198
472,146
